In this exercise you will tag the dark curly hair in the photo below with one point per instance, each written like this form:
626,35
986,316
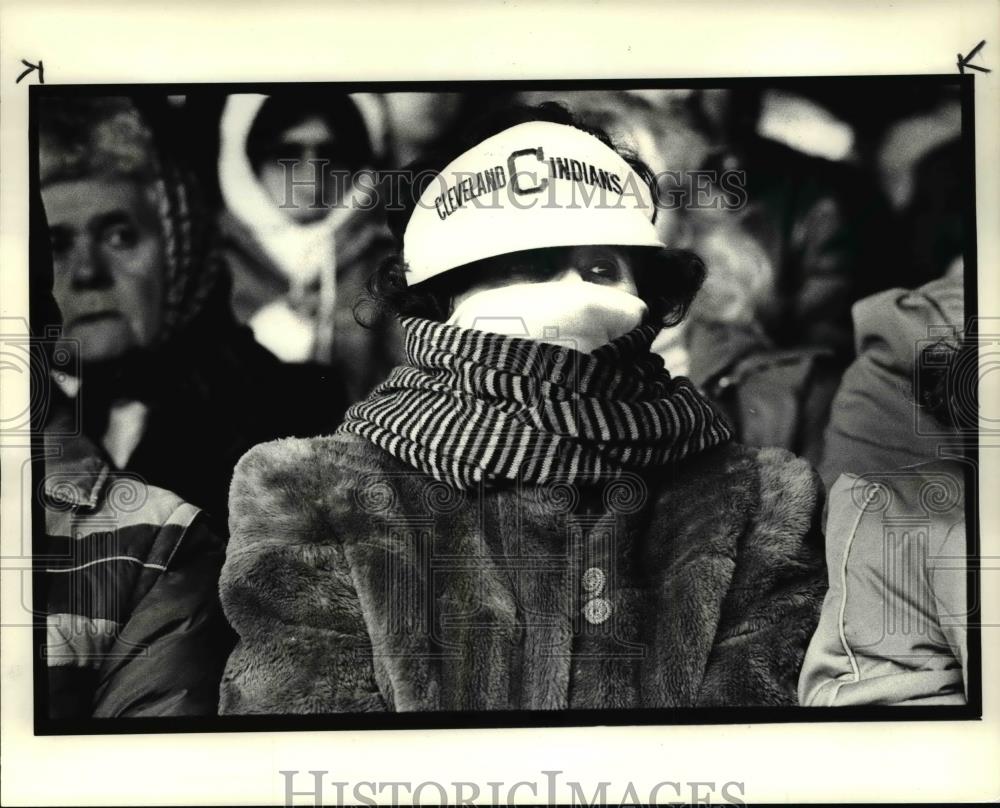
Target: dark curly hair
667,279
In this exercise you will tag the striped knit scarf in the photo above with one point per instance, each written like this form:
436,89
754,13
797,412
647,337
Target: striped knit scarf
472,406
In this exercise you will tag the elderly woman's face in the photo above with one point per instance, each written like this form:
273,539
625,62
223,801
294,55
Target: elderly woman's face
108,264
607,266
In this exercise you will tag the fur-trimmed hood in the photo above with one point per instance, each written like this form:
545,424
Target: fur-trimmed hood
357,584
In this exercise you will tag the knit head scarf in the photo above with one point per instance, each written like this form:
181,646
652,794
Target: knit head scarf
471,406
109,136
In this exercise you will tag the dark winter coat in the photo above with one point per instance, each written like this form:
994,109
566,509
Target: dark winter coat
358,584
213,393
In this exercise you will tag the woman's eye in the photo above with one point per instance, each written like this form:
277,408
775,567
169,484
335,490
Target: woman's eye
120,237
605,270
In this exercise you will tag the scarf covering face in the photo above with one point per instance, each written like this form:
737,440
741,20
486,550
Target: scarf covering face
575,313
471,406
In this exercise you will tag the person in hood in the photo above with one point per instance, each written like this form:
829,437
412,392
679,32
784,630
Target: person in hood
531,512
876,424
895,621
169,385
298,238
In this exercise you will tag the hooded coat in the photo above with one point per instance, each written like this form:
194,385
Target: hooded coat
296,285
875,423
358,584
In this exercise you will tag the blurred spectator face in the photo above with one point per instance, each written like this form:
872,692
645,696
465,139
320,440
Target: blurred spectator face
108,263
302,156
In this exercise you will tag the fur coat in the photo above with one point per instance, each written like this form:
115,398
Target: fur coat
358,584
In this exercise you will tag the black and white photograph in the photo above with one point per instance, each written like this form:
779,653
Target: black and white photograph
501,403
507,399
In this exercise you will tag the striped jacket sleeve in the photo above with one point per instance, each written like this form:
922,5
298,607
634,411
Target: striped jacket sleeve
168,658
134,623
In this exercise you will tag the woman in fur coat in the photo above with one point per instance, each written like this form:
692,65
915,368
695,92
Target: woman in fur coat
530,513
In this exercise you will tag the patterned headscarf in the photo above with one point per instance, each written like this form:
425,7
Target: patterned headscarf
110,136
